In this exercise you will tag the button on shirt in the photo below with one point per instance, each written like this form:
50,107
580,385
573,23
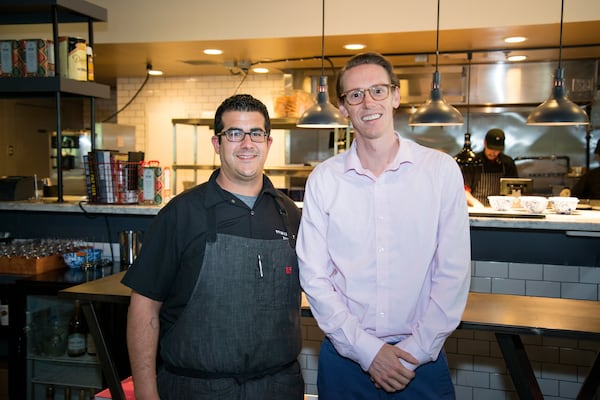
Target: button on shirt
387,258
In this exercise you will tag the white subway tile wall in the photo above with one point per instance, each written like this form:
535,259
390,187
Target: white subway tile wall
477,368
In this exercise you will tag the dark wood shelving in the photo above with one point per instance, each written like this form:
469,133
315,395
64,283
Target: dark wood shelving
53,12
40,11
45,86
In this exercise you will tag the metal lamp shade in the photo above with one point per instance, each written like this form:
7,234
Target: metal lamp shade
322,114
558,109
436,112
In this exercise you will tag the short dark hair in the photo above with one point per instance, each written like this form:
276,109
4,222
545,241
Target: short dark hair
241,102
362,59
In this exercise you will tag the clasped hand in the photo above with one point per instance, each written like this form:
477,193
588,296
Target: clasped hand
386,370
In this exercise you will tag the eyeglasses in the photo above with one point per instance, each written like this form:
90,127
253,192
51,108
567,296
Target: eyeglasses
238,135
356,96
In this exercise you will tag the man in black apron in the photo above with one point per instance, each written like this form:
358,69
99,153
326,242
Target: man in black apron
215,306
484,180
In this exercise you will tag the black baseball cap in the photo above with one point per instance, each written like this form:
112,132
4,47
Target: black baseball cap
494,139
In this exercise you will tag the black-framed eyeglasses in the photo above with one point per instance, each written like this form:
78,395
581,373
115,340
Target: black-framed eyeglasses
238,135
378,92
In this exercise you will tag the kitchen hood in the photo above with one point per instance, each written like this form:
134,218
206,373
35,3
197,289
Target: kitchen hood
501,84
495,87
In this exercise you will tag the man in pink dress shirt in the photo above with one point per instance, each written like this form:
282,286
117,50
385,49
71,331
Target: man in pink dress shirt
384,251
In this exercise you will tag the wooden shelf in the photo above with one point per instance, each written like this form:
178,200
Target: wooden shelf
40,11
45,86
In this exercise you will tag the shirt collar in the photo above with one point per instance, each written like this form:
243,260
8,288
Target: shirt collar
404,155
215,194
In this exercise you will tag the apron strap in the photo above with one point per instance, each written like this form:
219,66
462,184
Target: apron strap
239,378
286,221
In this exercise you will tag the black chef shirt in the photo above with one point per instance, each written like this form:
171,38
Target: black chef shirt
169,262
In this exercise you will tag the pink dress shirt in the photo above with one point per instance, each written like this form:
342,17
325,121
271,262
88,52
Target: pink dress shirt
386,259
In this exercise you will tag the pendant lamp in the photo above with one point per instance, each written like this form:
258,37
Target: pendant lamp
322,114
436,112
558,109
467,158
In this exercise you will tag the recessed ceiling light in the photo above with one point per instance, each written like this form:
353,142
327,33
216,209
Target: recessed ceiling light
515,39
213,52
516,58
354,46
260,70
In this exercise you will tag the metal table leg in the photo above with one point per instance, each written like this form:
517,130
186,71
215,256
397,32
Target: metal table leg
519,367
106,362
591,383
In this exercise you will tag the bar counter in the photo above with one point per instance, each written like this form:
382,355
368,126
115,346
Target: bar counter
506,316
580,220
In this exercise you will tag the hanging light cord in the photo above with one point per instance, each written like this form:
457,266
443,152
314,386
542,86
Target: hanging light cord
437,37
470,57
130,100
323,40
562,7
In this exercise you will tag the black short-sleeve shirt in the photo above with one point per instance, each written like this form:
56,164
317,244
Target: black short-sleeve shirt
169,262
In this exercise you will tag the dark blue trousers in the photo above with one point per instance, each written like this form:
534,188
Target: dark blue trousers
340,378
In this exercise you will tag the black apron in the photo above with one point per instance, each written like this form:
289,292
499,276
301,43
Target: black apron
242,323
488,185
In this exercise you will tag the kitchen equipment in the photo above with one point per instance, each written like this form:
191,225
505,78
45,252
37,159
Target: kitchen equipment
130,243
14,188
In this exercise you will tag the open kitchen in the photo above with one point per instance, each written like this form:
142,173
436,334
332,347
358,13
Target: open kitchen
50,124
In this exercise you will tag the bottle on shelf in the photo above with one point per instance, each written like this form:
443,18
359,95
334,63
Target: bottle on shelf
50,392
4,310
77,333
91,345
55,342
67,393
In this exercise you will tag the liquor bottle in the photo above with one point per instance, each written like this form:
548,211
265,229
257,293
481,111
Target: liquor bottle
91,345
4,311
50,392
67,393
77,333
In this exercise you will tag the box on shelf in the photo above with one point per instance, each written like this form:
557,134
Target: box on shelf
9,59
151,183
73,57
22,265
36,57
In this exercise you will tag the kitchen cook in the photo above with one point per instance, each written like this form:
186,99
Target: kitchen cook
216,294
484,181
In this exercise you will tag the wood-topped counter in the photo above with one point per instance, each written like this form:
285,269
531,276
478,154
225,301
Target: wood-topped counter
507,316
